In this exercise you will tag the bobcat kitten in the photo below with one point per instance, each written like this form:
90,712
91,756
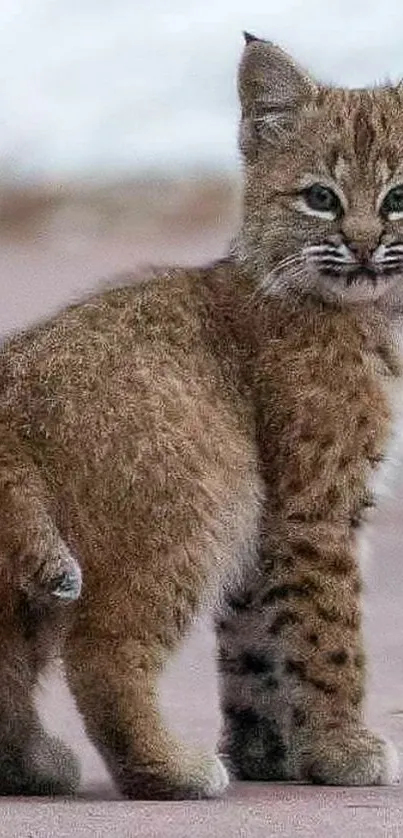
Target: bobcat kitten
207,437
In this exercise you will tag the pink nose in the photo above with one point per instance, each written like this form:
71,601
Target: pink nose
362,234
363,251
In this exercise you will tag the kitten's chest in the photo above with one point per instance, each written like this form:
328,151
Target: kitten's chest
333,409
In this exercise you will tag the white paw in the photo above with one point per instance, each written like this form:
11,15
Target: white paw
360,760
217,779
389,765
205,777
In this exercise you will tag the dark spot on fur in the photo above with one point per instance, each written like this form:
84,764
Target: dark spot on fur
357,586
359,660
351,621
299,668
299,717
295,667
226,663
255,664
297,517
284,618
327,442
327,615
307,550
342,565
243,718
304,590
355,520
333,156
339,658
313,638
247,663
323,686
254,744
240,602
31,618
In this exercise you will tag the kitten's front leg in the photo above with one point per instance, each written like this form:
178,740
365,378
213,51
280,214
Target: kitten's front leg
292,667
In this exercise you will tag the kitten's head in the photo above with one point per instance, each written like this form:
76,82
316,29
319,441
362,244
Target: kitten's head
324,181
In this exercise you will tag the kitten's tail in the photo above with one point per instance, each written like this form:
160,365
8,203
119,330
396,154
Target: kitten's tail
34,560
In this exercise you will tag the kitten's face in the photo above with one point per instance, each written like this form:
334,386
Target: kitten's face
324,183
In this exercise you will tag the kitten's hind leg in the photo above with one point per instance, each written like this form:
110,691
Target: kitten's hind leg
32,762
38,576
116,690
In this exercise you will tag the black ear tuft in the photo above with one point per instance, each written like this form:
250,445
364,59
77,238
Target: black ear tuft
249,38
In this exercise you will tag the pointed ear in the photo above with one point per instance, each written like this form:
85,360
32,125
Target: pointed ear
272,89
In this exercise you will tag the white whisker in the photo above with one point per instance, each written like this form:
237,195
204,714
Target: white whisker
338,254
279,276
320,248
396,248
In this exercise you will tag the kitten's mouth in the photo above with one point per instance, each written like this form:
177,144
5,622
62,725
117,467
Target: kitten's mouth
360,274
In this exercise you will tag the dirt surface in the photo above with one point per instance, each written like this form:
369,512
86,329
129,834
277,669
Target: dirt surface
41,269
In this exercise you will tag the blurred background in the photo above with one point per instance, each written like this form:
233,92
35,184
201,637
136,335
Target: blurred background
118,125
119,121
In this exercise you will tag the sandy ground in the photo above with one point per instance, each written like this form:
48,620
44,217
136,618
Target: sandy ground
43,265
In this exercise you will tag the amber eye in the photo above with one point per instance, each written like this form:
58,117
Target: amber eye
393,202
322,199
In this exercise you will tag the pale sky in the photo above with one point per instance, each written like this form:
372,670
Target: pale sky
104,87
